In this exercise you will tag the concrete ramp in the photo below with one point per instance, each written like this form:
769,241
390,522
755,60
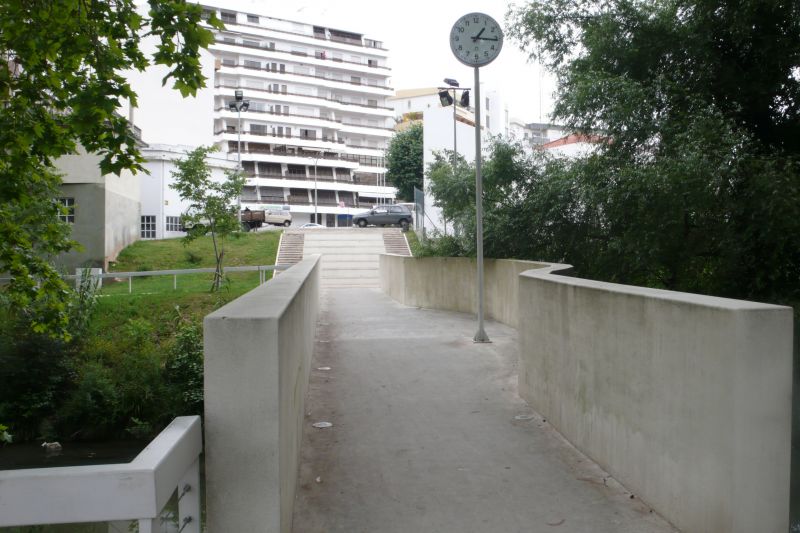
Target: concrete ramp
429,434
350,255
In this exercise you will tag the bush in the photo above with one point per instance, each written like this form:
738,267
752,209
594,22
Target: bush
184,368
37,369
443,245
129,381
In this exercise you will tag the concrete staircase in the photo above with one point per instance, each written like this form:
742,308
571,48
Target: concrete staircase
395,242
349,255
290,249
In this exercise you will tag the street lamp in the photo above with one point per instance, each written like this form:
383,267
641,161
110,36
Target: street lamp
239,105
315,186
446,100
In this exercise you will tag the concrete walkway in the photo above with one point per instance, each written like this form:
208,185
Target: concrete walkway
429,434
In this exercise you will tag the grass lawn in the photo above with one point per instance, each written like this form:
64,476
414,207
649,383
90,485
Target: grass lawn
154,299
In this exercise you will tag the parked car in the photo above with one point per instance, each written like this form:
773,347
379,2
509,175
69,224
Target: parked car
384,215
278,218
311,225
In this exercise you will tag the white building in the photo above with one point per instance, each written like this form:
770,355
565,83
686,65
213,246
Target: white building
315,132
162,206
438,132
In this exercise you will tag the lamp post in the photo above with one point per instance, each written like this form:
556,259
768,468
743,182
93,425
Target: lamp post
446,100
239,104
315,187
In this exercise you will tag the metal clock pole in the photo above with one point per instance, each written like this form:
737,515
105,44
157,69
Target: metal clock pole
484,48
480,335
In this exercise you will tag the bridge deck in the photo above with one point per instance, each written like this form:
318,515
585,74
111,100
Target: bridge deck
429,434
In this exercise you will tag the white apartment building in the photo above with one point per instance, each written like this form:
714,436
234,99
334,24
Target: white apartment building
315,132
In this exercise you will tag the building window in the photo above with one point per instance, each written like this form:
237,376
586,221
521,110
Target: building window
250,43
174,224
487,104
372,62
488,122
252,18
249,63
227,16
67,212
372,103
148,227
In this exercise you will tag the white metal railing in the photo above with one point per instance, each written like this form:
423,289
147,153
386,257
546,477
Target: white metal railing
261,269
134,491
97,275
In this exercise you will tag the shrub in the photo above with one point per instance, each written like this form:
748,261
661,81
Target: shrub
184,368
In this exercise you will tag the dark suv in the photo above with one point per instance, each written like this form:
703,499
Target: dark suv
383,215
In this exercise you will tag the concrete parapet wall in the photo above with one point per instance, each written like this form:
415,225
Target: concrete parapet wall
685,399
258,352
449,283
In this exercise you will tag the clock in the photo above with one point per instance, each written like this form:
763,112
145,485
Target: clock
476,39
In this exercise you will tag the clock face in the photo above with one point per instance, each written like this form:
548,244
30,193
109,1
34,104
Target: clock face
476,39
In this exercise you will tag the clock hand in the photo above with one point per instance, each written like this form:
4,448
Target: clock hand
479,35
485,38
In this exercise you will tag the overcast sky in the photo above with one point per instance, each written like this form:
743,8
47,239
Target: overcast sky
416,32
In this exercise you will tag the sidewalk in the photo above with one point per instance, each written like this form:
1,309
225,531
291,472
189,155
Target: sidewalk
429,434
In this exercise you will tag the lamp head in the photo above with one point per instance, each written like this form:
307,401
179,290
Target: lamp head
232,106
245,105
451,82
239,95
445,98
464,99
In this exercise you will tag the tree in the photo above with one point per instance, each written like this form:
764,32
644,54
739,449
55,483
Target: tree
60,85
404,159
697,186
210,203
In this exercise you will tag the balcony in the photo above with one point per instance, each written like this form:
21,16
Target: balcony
272,113
278,137
325,98
309,155
321,58
314,76
368,43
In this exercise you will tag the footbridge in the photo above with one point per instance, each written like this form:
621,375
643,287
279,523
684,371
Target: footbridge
346,395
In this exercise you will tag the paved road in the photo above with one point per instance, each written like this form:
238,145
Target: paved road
429,434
